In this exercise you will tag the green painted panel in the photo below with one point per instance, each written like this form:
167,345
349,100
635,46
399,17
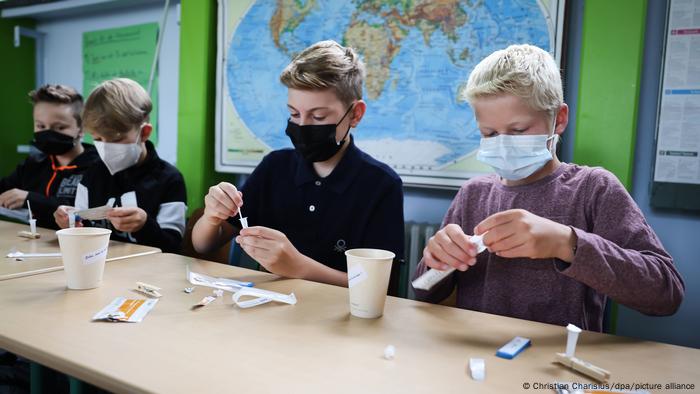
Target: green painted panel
16,79
612,49
197,96
611,62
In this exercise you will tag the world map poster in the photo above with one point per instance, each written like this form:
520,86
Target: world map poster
417,54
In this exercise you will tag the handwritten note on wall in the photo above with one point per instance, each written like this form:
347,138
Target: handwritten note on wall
124,52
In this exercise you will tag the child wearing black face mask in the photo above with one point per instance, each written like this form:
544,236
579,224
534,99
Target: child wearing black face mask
306,206
50,175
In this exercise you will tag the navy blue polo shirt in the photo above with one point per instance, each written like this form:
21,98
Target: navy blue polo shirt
359,205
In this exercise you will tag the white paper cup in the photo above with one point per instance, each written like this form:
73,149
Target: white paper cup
84,250
368,280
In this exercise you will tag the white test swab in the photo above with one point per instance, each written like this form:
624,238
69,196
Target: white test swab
32,221
244,221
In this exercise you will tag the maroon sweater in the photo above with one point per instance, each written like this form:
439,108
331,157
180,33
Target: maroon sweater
618,255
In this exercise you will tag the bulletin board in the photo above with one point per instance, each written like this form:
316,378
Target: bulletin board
122,52
676,183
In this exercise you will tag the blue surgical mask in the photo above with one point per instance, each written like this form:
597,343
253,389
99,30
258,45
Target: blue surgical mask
516,157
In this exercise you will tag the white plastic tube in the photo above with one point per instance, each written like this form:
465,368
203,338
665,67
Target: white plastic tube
571,339
432,277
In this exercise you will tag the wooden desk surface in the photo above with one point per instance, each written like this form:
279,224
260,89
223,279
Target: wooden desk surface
48,243
312,347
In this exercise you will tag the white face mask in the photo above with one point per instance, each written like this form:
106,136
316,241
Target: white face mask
118,157
516,157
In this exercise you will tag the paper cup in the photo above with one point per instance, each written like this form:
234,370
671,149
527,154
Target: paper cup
84,250
368,280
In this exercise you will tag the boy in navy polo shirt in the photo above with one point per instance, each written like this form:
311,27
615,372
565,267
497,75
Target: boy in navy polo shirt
309,204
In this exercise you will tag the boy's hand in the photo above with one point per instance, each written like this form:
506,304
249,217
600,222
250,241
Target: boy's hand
13,198
222,202
127,219
61,216
519,233
450,248
272,250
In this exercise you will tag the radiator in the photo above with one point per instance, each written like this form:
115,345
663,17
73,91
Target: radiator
417,234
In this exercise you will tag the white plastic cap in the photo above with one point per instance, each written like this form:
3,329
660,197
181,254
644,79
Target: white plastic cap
389,352
477,368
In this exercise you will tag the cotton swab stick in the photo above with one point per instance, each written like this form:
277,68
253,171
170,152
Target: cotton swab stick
32,221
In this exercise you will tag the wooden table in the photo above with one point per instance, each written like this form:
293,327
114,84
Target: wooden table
48,243
312,347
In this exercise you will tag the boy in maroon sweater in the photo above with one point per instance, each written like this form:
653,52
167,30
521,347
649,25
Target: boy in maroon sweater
561,238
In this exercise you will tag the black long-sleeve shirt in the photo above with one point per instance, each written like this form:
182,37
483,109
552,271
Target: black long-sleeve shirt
49,184
155,186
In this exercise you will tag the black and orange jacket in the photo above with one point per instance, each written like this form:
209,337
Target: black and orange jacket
49,184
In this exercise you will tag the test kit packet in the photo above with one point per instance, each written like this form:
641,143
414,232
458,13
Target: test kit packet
126,310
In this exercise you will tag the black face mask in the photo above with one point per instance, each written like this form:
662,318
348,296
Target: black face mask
52,142
316,142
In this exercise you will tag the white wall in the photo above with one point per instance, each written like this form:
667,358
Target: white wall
64,64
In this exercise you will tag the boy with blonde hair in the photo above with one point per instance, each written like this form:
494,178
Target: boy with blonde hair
50,175
147,194
311,203
561,238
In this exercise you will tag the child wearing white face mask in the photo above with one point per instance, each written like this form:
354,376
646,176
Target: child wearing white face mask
561,238
147,194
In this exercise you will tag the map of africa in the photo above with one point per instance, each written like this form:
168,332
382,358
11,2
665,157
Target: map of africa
417,56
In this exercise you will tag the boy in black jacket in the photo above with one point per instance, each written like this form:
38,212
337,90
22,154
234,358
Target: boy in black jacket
50,175
147,194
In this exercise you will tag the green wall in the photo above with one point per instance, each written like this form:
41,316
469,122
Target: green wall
197,91
612,47
17,79
611,64
197,97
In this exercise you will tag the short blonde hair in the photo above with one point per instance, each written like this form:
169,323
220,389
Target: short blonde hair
524,71
116,106
327,64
